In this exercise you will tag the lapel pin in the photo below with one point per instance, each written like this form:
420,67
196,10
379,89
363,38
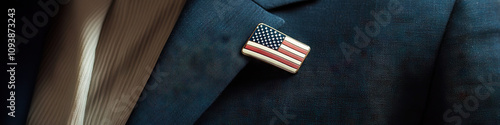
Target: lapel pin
274,47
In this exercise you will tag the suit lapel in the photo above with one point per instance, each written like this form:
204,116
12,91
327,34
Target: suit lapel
199,60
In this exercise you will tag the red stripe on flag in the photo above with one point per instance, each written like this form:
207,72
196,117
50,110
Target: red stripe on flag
294,47
270,55
291,54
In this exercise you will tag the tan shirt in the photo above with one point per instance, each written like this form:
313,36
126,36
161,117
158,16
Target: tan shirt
98,58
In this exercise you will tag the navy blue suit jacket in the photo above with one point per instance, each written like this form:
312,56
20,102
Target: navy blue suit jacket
371,62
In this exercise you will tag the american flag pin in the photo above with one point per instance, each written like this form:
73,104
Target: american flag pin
274,47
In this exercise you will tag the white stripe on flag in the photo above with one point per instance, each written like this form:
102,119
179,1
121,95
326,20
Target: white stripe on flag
268,60
297,43
283,46
275,52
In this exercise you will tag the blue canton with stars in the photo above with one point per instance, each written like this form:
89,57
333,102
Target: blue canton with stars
267,36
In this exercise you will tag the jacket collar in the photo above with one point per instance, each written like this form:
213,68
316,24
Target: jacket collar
201,57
